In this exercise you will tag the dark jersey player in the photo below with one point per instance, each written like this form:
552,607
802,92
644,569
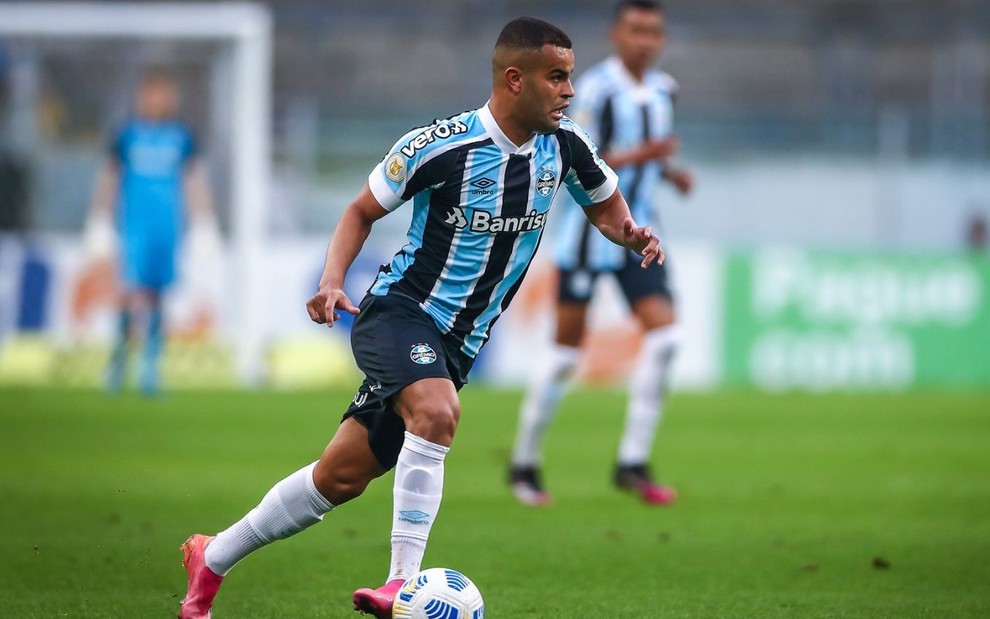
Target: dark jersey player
627,108
481,184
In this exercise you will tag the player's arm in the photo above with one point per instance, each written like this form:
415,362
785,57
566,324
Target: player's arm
99,235
614,221
105,192
594,185
681,178
348,238
199,198
196,187
204,240
649,150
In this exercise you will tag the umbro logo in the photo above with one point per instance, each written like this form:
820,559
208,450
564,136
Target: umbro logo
483,187
414,516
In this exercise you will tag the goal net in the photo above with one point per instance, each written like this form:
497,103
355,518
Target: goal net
68,72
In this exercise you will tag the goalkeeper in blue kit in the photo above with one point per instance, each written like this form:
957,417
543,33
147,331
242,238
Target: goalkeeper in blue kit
149,180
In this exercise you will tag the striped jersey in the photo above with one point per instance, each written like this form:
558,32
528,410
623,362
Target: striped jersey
480,204
618,114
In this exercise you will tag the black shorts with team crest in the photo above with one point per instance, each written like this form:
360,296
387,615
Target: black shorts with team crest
577,285
395,343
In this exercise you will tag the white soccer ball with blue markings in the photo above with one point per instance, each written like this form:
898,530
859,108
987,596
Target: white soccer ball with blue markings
439,593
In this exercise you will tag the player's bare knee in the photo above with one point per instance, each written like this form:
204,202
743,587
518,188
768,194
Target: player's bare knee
434,421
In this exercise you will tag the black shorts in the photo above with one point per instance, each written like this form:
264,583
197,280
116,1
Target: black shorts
576,285
395,343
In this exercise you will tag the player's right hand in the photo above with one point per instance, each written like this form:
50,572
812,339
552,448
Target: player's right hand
323,306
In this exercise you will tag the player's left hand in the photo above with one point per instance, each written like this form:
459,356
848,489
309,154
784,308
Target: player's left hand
644,241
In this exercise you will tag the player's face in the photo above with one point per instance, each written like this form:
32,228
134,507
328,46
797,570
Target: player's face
639,36
547,89
157,99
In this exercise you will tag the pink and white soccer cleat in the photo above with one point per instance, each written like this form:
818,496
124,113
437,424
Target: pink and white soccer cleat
527,486
203,582
639,479
378,602
656,494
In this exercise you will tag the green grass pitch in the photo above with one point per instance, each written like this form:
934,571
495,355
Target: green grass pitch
791,506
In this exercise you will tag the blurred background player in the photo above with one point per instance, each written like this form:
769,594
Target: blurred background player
150,176
627,108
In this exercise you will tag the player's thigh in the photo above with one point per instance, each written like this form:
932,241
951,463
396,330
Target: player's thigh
347,465
396,344
430,409
574,288
648,293
653,311
572,317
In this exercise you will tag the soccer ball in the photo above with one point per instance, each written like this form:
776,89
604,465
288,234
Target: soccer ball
439,593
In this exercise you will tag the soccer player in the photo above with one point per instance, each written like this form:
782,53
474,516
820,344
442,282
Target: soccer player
151,173
626,107
481,184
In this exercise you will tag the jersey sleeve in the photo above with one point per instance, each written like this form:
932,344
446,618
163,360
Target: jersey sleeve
190,146
418,161
670,86
589,179
117,147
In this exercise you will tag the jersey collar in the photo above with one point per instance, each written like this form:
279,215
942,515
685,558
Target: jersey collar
499,137
640,92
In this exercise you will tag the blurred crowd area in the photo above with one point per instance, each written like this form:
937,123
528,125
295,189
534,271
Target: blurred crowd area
870,117
836,238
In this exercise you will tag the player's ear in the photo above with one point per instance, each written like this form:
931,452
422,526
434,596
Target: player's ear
514,79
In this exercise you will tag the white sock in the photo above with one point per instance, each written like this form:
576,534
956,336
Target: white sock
292,505
541,403
416,500
646,391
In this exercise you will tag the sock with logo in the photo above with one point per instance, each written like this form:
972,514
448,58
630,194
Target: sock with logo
292,505
646,391
416,494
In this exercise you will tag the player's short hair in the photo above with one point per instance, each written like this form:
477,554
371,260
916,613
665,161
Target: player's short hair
530,33
645,5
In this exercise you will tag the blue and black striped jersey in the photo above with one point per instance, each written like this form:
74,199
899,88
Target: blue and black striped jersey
618,113
480,204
